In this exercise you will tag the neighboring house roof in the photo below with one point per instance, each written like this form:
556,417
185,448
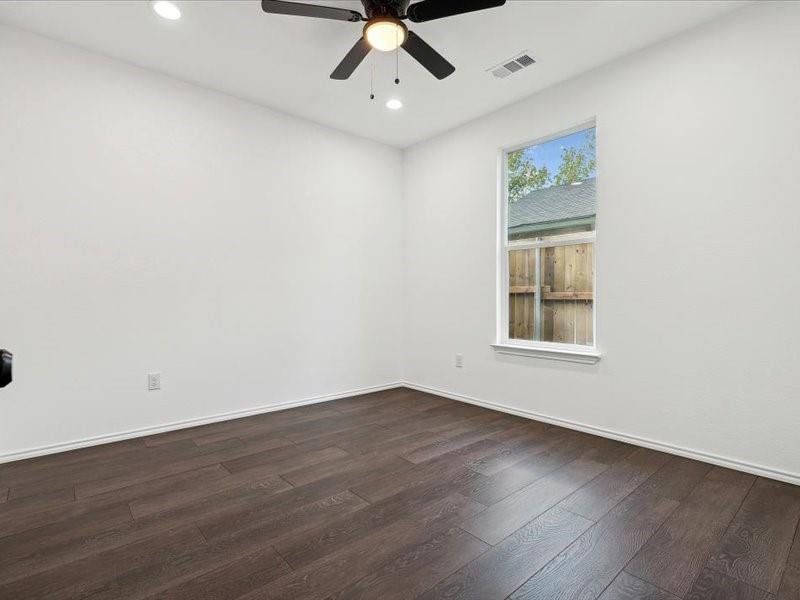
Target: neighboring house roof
557,204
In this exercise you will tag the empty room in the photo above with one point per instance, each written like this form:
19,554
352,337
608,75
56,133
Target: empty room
398,299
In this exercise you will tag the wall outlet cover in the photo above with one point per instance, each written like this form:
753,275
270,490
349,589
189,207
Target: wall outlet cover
153,381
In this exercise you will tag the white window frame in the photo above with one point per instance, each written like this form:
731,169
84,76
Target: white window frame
504,344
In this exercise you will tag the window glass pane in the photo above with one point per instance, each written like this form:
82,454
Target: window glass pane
551,202
557,303
551,187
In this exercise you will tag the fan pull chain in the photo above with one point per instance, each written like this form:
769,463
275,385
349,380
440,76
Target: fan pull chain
372,82
396,58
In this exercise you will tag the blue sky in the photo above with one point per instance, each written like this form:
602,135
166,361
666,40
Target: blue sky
549,153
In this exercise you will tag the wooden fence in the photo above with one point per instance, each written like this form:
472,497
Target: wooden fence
561,308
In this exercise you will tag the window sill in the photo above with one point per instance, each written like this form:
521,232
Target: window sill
563,352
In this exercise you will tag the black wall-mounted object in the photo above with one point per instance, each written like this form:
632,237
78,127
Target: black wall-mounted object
6,362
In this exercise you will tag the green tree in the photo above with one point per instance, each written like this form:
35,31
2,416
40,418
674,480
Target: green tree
577,164
524,176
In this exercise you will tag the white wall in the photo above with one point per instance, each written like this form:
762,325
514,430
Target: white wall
255,259
147,224
698,224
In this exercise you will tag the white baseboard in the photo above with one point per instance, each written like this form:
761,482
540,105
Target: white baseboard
722,461
145,431
707,457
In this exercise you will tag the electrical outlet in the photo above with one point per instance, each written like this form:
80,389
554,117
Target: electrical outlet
459,360
153,382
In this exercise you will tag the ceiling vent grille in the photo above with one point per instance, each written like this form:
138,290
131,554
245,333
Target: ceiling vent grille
511,65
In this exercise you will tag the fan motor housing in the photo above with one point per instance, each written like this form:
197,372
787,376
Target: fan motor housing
385,8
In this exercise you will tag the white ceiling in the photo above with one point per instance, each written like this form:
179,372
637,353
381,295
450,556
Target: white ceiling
283,62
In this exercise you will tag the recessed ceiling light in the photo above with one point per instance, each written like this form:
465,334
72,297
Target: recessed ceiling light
394,104
166,9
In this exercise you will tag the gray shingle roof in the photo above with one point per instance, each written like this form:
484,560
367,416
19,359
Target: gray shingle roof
553,204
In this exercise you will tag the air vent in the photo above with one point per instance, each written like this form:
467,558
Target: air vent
525,60
511,66
501,72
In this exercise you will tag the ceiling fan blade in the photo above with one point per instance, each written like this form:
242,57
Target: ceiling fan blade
351,60
427,56
428,10
300,9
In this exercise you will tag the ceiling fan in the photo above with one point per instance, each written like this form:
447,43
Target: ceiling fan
384,29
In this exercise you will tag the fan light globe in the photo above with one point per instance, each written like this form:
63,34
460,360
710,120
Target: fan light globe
385,35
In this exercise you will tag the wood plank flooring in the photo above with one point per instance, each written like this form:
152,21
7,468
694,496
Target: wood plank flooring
392,495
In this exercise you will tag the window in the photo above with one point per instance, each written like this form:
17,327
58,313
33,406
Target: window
549,203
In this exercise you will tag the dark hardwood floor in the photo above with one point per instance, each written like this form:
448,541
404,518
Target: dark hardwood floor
397,494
